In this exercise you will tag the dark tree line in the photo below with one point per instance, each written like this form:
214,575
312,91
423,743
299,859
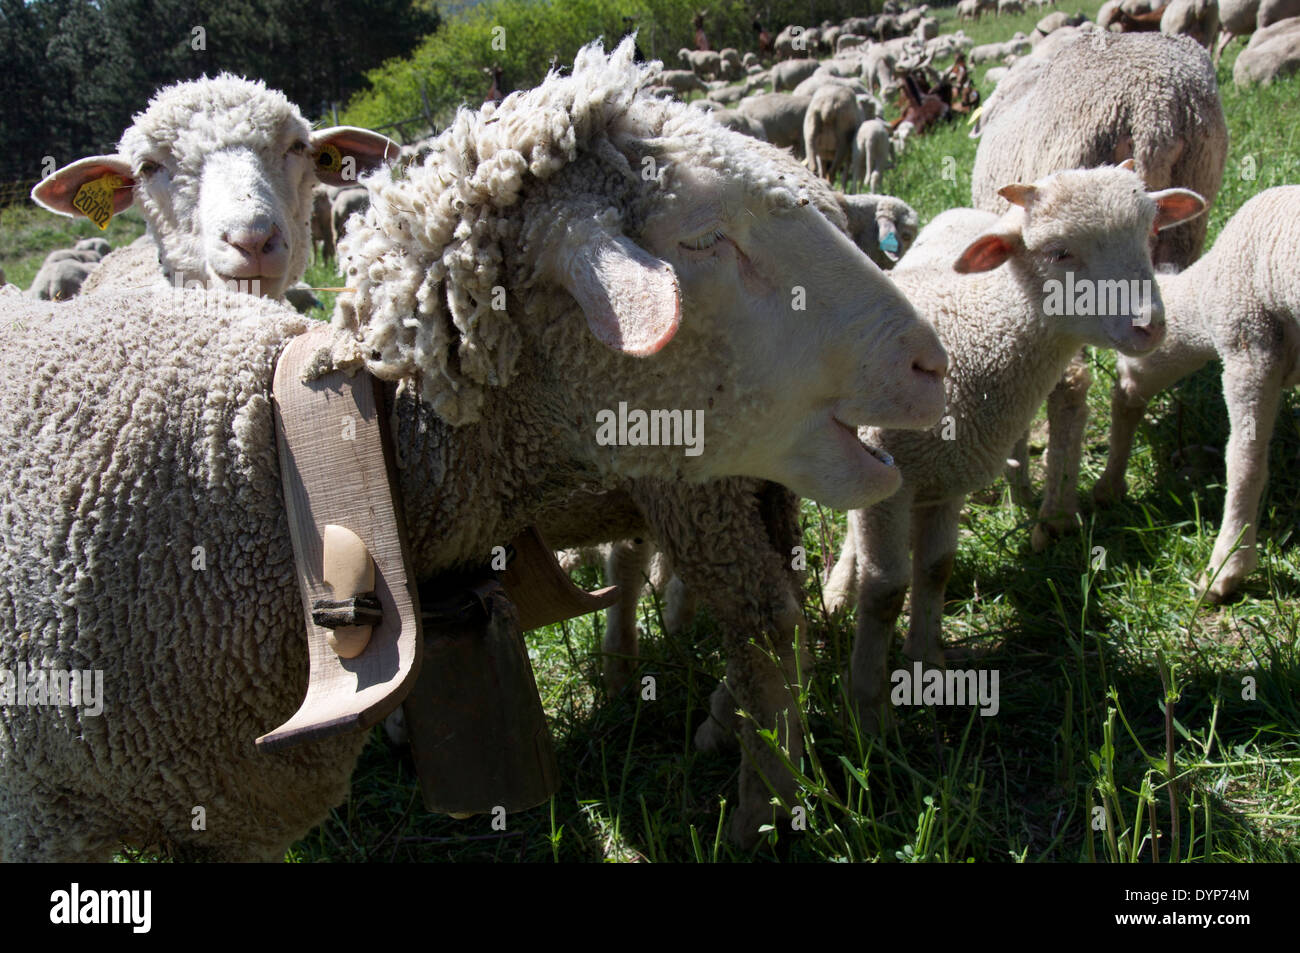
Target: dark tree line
72,72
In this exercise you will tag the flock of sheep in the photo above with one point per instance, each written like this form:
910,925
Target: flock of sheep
519,274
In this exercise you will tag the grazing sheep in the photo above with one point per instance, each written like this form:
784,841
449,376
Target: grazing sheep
1008,7
750,60
882,226
1198,19
1008,343
833,117
346,203
873,153
968,9
781,117
223,170
1018,45
166,442
786,76
849,41
731,66
1148,96
1240,303
84,255
681,81
739,122
98,245
703,63
1236,18
1275,11
1273,53
60,279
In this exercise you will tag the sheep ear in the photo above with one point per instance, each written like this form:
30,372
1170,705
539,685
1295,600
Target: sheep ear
1174,206
887,238
1129,164
631,299
58,191
988,252
343,153
1022,195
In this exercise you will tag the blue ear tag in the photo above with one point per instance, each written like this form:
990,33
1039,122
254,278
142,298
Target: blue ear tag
890,243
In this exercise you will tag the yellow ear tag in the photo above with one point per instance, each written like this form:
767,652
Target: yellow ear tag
329,159
95,199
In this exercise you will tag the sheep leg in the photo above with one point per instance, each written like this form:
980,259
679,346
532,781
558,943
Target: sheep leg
934,550
880,540
1067,414
1017,473
625,567
842,584
1224,39
1252,385
680,606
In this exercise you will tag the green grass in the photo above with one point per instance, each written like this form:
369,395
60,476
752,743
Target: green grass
1088,651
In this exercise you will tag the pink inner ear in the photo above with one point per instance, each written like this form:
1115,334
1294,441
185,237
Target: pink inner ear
631,299
369,150
58,190
984,254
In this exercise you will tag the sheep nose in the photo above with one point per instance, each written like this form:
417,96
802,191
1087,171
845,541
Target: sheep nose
930,360
256,241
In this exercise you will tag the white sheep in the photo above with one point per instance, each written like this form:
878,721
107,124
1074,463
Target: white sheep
1148,96
1011,322
705,64
1240,303
883,226
833,117
873,154
1236,18
97,245
1198,19
1272,53
789,74
780,115
682,82
223,169
166,442
60,279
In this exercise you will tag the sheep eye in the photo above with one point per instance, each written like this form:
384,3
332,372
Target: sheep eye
1059,256
707,240
147,168
297,149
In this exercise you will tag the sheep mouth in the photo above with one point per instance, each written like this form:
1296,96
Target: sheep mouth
263,286
877,455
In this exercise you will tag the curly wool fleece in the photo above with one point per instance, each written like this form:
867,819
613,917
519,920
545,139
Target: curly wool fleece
441,241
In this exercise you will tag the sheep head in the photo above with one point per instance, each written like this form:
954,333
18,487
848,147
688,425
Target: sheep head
584,246
223,170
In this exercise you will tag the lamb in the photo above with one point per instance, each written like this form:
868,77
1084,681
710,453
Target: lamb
166,442
873,153
1273,53
1008,341
884,227
223,170
1198,19
1148,96
788,75
60,279
781,116
833,117
1240,303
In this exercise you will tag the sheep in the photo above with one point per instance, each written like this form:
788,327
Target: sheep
739,122
84,255
190,159
873,153
849,41
968,10
781,117
750,60
1272,53
731,66
322,223
1008,344
705,64
346,203
167,442
1198,19
1236,18
1148,96
884,227
785,46
682,82
98,245
1007,7
788,75
1018,45
833,117
1275,11
60,279
1240,303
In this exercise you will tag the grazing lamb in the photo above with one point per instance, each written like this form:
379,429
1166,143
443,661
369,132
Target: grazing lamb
873,153
1009,338
223,170
1148,96
882,226
1240,303
833,117
666,293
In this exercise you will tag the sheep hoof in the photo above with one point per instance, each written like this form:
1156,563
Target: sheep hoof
1224,591
618,672
1108,492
